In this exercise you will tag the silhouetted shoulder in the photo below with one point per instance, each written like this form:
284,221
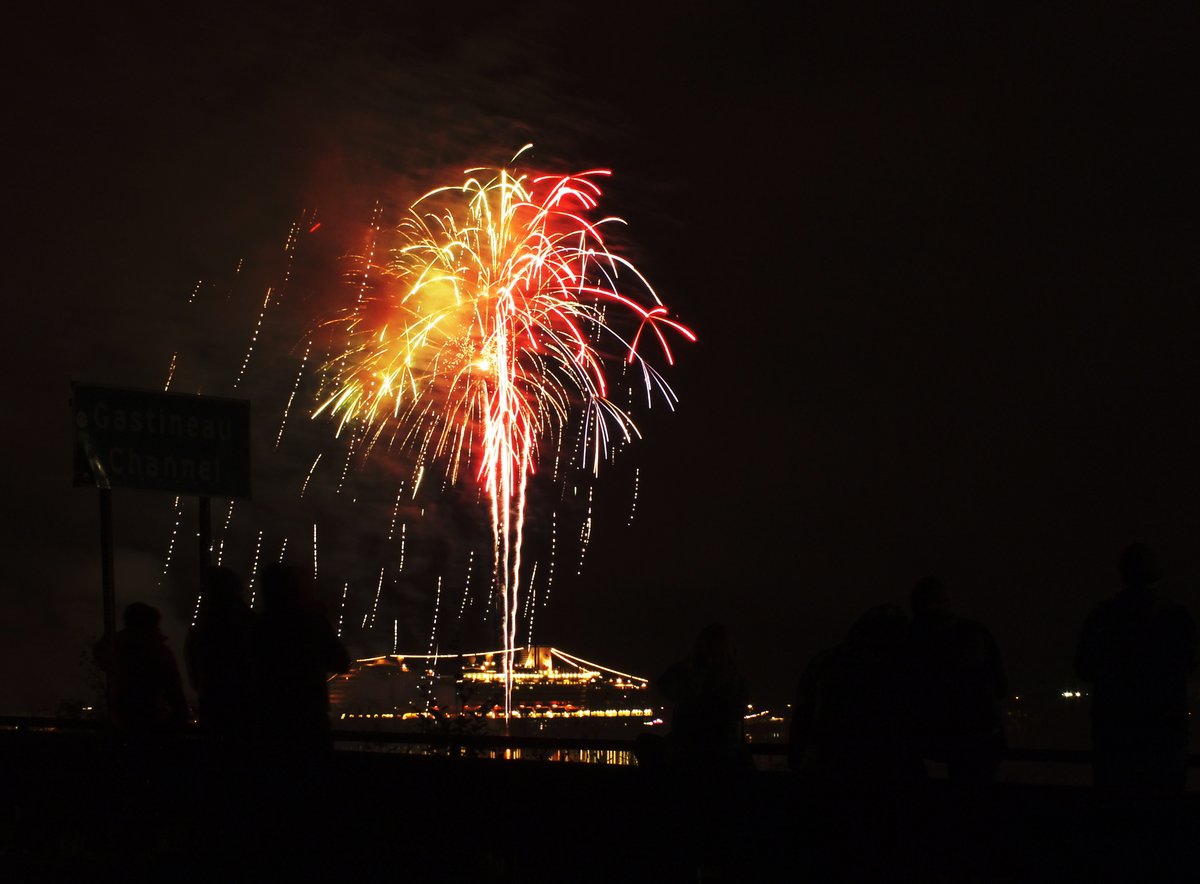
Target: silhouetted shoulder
1178,629
338,659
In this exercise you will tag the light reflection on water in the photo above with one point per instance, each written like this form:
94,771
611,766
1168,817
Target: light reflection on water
624,757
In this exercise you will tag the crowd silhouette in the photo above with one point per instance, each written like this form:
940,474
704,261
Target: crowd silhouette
260,677
904,694
908,693
898,691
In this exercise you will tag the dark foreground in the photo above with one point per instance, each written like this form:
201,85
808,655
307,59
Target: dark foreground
75,808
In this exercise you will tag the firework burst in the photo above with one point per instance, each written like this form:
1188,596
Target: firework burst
496,323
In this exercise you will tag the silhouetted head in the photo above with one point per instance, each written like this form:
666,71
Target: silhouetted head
883,627
1138,567
929,599
222,591
280,586
713,646
140,617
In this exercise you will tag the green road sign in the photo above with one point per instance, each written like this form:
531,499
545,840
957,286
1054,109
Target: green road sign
172,442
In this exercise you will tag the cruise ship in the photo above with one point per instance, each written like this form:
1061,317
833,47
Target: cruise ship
552,691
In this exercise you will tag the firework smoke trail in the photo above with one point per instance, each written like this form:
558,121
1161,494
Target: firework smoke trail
308,478
553,553
292,398
314,552
466,585
375,606
395,512
171,544
253,339
585,534
531,603
254,567
491,325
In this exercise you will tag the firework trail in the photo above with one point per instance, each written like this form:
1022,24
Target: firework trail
292,398
495,324
254,568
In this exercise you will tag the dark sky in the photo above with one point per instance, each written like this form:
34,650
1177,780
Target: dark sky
941,265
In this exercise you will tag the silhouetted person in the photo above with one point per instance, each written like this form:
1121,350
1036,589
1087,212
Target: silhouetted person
218,658
1137,650
705,750
295,651
852,742
852,720
145,692
958,689
708,698
958,686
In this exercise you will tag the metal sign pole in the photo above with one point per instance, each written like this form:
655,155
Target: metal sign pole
106,565
104,649
205,534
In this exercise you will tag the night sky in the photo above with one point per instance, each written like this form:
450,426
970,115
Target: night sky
941,266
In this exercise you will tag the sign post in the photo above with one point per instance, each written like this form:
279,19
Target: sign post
107,578
153,441
204,534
